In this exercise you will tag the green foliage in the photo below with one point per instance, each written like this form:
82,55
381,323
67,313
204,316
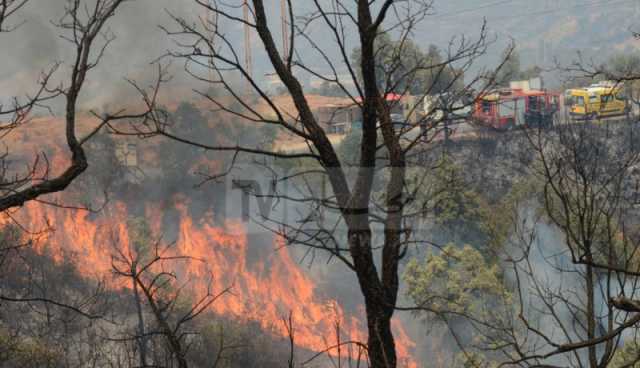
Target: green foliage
502,218
459,212
444,197
457,280
586,209
402,66
457,286
453,200
625,65
512,70
329,89
628,356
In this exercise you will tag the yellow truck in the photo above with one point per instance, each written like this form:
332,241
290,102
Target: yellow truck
596,101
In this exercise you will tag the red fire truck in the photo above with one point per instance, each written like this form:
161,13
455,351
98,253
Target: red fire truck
510,108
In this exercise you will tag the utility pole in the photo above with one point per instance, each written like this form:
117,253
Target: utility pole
285,28
212,27
248,59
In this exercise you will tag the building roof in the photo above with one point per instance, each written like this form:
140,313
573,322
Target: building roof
389,97
508,94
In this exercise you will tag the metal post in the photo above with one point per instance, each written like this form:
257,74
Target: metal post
446,132
248,57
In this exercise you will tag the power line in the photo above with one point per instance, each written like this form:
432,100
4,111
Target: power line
551,11
248,57
469,10
597,3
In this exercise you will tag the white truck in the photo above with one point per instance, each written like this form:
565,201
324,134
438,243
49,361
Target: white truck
446,105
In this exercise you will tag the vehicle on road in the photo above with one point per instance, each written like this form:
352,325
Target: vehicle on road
601,100
510,108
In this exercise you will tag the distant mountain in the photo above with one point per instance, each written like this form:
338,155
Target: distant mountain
545,29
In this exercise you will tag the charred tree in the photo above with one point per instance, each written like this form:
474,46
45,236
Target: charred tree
85,26
386,145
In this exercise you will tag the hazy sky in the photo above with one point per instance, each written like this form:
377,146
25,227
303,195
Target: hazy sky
563,25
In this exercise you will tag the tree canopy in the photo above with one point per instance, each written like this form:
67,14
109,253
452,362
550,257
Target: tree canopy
403,67
512,69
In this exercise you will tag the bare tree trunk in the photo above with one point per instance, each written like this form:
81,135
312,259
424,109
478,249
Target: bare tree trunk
353,198
591,317
142,340
174,341
381,346
382,351
380,295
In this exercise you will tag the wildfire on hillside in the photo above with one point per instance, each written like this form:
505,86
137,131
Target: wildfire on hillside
265,291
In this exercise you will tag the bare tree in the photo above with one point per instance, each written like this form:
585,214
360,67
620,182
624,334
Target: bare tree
148,269
84,27
570,260
48,310
585,172
369,215
7,9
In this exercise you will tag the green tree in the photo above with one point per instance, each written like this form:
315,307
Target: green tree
352,194
329,89
457,280
624,64
450,209
625,67
628,356
457,287
512,69
457,210
403,67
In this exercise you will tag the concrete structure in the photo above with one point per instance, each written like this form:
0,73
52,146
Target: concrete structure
338,118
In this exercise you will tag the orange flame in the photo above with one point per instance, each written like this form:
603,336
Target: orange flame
263,292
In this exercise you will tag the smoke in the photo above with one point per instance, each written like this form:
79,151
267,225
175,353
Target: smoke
38,43
554,290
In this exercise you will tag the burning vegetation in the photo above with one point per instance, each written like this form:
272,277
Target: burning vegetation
308,185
